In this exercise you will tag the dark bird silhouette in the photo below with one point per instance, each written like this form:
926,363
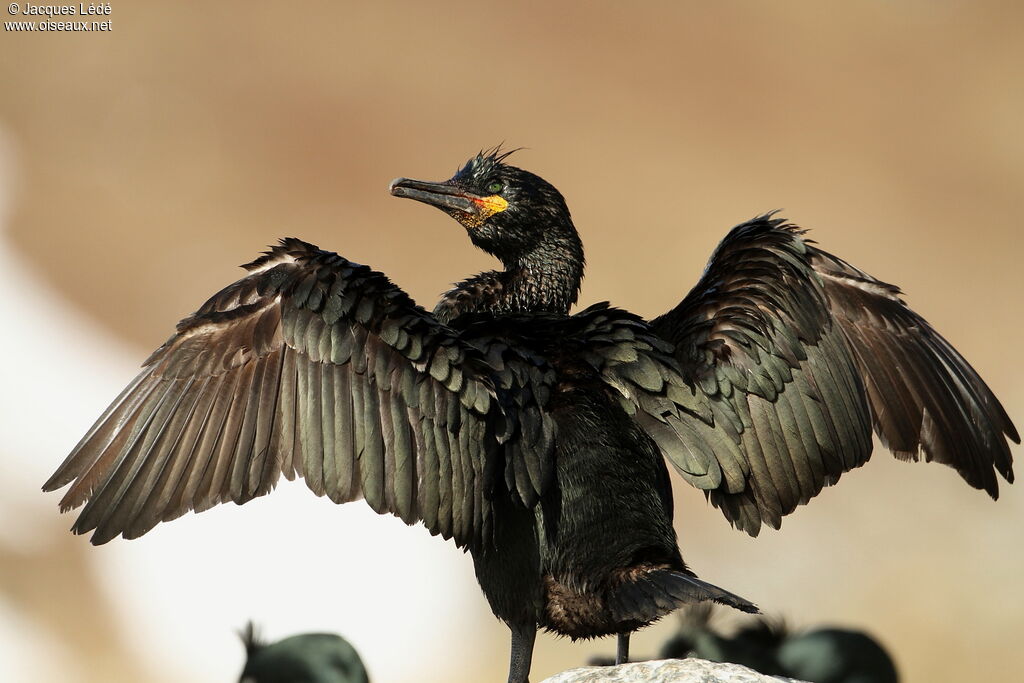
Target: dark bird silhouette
305,658
535,439
820,655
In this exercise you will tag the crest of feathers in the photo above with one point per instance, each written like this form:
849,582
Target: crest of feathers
251,638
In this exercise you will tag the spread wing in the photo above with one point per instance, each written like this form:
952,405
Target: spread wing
316,366
788,357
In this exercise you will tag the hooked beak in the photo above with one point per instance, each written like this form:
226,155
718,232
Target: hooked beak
441,195
448,197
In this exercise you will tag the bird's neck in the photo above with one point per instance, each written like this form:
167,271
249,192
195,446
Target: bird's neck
545,280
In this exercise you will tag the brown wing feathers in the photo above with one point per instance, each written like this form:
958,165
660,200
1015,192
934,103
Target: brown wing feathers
925,398
791,356
313,366
761,388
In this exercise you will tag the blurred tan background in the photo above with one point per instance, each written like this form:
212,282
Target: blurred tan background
138,167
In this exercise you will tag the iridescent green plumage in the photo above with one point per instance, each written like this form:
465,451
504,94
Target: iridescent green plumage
532,437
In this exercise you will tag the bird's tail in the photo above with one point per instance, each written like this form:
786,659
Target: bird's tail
661,591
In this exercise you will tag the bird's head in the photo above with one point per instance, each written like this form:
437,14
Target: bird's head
508,212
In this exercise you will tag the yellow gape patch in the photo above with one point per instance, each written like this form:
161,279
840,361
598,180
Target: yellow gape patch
488,207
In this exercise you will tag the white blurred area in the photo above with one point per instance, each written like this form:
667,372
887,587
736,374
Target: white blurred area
166,607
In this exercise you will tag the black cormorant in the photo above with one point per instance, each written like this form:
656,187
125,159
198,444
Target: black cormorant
533,438
820,655
305,658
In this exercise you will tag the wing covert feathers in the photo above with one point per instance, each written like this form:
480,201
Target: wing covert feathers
761,387
790,356
318,367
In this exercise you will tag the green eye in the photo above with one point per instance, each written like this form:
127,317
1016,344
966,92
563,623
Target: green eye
496,187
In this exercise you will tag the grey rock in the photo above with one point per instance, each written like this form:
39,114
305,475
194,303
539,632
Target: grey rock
666,671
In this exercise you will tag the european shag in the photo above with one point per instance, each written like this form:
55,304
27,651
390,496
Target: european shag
822,655
534,438
305,658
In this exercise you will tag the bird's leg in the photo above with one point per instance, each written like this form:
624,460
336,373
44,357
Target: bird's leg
622,651
523,636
